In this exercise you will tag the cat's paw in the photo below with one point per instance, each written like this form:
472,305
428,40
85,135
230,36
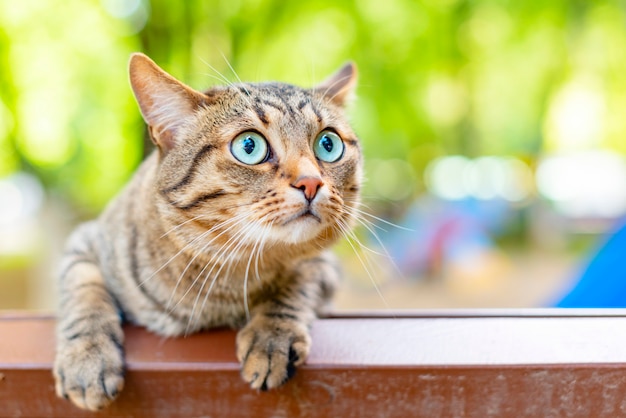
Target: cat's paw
269,351
89,370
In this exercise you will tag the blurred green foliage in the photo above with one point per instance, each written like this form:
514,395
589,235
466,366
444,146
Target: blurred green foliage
436,76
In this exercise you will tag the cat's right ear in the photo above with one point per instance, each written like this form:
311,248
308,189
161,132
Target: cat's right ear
339,87
166,103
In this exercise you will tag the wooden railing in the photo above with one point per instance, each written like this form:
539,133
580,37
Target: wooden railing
417,364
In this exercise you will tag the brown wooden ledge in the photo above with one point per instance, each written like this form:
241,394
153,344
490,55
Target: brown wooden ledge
511,363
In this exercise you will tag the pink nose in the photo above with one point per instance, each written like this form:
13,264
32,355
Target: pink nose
309,186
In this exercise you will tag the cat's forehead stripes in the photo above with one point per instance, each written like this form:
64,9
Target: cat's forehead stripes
314,108
286,99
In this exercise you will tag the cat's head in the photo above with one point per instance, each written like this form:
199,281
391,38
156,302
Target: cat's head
254,163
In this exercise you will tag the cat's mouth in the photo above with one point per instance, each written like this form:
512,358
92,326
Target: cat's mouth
305,214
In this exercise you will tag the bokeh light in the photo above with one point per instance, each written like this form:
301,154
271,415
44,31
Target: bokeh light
484,178
585,184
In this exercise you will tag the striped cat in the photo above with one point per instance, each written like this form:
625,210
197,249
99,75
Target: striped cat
226,224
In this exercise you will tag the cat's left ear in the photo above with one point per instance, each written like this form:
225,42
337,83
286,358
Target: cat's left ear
339,87
166,104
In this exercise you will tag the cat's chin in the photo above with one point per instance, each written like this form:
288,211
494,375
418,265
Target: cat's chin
297,231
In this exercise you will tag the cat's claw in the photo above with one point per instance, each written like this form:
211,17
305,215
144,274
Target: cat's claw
269,352
89,372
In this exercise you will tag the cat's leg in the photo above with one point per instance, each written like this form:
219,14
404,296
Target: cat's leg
89,363
277,338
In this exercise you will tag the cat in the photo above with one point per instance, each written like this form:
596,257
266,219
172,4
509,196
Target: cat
227,223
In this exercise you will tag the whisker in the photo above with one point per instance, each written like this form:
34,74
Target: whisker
180,225
235,73
245,281
362,212
221,77
245,284
369,226
236,220
259,259
237,236
344,229
352,235
242,236
188,245
384,248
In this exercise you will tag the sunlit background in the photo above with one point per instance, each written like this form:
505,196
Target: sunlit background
493,131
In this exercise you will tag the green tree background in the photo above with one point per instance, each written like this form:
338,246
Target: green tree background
437,77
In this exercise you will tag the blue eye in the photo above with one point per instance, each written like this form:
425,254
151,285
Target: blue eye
249,148
328,146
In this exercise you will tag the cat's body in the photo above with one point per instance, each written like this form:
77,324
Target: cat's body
226,223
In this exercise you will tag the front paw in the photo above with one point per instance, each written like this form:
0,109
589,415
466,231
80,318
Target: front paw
89,370
269,351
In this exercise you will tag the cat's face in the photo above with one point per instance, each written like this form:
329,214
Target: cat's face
252,164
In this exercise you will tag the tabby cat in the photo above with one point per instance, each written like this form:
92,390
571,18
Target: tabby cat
226,224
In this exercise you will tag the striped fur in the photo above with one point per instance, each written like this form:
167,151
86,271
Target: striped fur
198,239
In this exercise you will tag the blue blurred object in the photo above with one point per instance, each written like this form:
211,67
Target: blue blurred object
439,231
603,281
